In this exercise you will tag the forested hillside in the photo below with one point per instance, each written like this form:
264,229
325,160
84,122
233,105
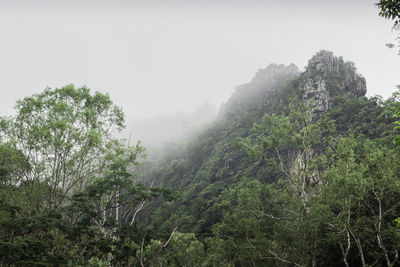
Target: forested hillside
299,169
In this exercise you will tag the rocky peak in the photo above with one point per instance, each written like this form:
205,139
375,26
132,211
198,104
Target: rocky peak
323,61
327,76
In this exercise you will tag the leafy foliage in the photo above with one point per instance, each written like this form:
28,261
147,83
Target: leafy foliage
390,9
273,182
68,189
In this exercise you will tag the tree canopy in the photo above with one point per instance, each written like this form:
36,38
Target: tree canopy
390,9
65,134
69,193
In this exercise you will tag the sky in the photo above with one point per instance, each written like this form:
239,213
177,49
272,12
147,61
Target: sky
162,57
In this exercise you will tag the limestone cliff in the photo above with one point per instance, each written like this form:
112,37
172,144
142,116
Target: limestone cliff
327,76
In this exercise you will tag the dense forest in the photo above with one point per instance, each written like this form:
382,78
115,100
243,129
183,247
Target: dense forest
300,168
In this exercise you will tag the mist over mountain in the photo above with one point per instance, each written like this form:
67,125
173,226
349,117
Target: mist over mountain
144,135
297,168
275,146
177,127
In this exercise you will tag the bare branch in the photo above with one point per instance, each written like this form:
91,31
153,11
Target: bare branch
276,257
162,247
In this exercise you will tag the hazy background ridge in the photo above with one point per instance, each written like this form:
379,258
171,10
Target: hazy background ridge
160,58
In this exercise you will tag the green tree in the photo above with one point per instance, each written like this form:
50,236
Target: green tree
332,192
183,250
390,9
68,188
65,135
362,199
292,144
13,164
397,116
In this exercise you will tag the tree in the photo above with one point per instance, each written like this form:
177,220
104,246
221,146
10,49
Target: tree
65,135
69,193
13,164
397,115
361,199
390,9
102,215
334,193
292,144
183,250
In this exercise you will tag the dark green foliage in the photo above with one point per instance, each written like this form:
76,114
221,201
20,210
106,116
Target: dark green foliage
397,116
293,206
390,9
68,190
280,179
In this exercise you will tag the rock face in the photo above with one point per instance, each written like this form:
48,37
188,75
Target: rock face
327,76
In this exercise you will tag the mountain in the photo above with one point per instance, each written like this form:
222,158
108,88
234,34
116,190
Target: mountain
299,168
281,126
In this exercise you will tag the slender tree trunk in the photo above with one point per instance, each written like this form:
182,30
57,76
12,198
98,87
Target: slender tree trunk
359,247
314,254
345,253
130,249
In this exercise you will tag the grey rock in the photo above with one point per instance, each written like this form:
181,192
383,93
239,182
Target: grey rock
327,76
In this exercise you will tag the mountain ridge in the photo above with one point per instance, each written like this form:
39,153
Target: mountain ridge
215,160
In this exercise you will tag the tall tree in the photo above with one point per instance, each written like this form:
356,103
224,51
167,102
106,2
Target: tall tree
68,187
65,134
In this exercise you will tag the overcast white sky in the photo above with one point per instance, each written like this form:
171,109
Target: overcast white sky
157,57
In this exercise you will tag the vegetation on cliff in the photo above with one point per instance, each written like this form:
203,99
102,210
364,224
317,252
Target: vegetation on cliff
299,169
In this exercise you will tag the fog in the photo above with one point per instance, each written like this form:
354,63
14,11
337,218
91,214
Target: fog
170,127
161,60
